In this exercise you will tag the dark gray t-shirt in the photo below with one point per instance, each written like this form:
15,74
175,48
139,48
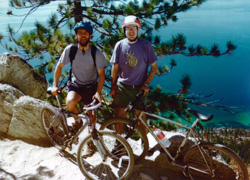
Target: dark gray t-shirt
84,70
133,60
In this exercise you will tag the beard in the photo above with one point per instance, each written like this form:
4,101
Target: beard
84,42
133,40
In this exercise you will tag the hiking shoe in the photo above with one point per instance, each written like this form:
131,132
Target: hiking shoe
91,146
150,152
90,150
76,126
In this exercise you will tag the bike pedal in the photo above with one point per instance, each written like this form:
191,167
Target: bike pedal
185,171
77,141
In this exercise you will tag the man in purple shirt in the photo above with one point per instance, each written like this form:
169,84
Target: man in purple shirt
130,61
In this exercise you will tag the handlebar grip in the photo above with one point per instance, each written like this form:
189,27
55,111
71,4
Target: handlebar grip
93,105
132,103
140,94
49,91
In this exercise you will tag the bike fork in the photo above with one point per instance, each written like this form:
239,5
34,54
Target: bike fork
98,143
100,148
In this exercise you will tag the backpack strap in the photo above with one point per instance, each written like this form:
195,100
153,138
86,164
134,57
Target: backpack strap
72,52
93,53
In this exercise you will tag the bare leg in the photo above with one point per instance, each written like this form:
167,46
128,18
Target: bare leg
137,113
92,117
120,113
72,100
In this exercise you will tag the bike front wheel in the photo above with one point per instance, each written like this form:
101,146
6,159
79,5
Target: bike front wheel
133,133
214,162
53,127
108,157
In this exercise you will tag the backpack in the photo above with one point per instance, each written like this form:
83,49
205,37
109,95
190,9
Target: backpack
72,54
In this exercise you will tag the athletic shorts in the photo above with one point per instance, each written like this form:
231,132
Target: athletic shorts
85,91
124,94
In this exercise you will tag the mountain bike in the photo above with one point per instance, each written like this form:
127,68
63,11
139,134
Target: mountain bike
203,160
101,155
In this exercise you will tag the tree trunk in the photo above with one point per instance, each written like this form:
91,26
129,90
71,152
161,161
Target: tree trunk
77,11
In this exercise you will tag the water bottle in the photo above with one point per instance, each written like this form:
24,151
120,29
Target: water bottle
164,140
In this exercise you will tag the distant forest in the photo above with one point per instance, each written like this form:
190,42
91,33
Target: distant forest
237,139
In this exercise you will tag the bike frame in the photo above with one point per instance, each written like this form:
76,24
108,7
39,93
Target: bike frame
86,123
191,131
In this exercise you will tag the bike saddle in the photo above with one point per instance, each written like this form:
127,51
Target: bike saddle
201,116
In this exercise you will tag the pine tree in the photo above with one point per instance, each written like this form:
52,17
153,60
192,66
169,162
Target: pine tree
106,17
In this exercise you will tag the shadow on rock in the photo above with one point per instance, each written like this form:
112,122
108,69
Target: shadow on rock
6,175
158,168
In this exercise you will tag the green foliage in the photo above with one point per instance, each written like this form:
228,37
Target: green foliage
107,16
234,138
230,46
160,102
46,42
173,63
163,125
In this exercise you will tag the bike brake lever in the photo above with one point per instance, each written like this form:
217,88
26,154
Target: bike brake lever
132,103
93,105
49,91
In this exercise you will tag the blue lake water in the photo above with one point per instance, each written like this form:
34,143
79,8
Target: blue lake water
226,77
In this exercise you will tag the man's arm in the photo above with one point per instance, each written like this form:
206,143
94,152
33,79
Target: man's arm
101,74
57,75
114,74
151,75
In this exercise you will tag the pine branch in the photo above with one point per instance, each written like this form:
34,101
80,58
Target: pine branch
211,104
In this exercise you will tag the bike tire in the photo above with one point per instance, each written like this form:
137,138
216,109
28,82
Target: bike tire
53,127
225,163
138,140
117,163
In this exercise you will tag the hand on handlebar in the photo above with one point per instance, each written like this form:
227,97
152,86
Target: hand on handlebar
97,96
54,90
145,89
132,103
93,105
112,93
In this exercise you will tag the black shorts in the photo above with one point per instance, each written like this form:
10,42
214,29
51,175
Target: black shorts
85,91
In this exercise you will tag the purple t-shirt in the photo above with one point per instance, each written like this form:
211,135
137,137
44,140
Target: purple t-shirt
133,60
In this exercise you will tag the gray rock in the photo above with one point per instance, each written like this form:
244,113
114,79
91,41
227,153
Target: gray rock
26,120
21,116
18,73
8,96
21,89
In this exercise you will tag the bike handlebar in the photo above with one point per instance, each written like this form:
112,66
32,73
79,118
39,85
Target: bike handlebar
132,103
49,91
93,105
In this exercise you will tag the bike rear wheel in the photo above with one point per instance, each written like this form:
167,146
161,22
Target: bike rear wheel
52,124
112,158
135,136
222,162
